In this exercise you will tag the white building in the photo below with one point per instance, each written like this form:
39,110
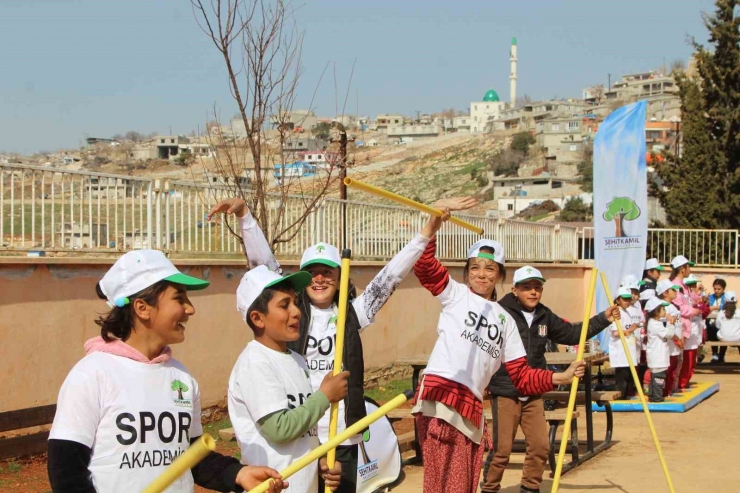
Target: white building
482,112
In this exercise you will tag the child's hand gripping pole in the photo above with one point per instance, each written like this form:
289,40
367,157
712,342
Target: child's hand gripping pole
574,385
410,203
640,393
320,451
187,460
339,350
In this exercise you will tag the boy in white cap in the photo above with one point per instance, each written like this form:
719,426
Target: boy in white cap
617,356
658,350
651,274
128,409
272,406
638,317
537,326
668,292
319,309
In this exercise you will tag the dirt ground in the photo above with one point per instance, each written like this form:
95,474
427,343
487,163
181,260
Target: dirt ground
700,447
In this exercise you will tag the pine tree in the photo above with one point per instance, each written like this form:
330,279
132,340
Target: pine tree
702,187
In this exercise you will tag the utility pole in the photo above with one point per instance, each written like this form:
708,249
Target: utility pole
610,81
342,175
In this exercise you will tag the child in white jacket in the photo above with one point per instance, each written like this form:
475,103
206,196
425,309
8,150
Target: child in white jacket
728,320
658,349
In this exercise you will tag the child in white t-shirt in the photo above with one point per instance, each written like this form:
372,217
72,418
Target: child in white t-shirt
475,336
273,409
728,320
128,409
668,291
658,350
617,356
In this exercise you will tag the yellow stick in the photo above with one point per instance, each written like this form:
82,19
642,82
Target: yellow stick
339,351
574,385
194,454
320,451
638,384
408,202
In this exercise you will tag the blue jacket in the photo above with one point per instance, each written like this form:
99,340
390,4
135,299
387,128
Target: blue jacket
713,298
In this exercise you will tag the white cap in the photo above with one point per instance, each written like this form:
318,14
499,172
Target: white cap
680,261
654,303
624,292
692,279
630,282
256,280
498,251
526,273
137,270
664,285
321,253
647,294
730,297
652,263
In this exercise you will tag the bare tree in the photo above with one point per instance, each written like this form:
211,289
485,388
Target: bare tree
677,65
261,49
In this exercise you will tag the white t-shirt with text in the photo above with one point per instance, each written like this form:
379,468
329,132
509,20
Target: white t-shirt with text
137,418
263,382
475,337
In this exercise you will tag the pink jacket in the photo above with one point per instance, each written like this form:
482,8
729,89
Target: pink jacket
684,304
120,348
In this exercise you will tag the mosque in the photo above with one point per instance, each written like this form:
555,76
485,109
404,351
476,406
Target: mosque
490,108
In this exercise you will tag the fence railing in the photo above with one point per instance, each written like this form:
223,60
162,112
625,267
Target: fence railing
705,247
77,211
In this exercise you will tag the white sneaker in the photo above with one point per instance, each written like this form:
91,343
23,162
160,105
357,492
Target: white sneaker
715,358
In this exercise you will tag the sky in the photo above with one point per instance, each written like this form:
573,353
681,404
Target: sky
76,68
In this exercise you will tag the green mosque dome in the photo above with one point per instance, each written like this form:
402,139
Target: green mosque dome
492,96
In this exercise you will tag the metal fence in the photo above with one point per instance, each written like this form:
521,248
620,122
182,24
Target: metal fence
76,211
705,247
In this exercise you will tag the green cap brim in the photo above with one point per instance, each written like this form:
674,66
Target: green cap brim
660,268
190,282
529,279
299,280
625,296
641,283
489,256
691,264
676,287
320,261
690,282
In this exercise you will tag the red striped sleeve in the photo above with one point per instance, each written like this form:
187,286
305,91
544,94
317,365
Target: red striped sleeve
528,380
431,273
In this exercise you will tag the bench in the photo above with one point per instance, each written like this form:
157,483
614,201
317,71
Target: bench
28,444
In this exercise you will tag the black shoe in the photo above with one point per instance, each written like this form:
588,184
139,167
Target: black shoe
701,357
524,489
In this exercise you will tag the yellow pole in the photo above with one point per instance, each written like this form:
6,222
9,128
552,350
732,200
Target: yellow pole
320,451
194,454
408,202
574,386
339,351
638,384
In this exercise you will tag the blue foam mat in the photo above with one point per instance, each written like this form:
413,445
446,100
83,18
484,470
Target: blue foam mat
677,403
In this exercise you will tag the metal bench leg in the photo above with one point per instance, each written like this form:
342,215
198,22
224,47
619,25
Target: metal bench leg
553,435
574,441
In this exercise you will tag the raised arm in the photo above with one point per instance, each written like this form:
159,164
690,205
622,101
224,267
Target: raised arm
430,271
253,238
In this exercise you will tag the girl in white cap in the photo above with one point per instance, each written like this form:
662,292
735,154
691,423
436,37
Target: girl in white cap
651,274
475,337
692,343
658,350
728,321
638,317
318,305
681,270
617,356
668,291
128,409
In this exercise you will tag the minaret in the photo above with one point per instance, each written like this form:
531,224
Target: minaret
512,77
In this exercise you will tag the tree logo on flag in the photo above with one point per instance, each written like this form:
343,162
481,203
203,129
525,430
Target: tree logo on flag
619,210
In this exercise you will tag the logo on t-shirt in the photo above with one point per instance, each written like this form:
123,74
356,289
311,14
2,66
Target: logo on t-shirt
492,332
180,388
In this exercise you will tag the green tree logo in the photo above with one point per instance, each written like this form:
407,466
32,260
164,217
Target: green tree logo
320,248
621,209
179,387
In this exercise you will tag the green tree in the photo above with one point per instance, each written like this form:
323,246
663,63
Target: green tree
522,141
586,169
179,387
321,130
619,210
710,127
575,210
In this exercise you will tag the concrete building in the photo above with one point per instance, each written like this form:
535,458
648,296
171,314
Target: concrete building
515,119
385,120
510,206
642,85
661,135
484,112
563,139
542,186
543,110
401,131
168,146
462,123
294,120
297,143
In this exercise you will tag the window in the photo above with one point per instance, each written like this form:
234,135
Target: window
555,127
573,126
161,141
475,108
486,106
172,141
557,184
509,207
300,144
573,147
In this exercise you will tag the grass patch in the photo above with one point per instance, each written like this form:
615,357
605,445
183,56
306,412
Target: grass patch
10,467
389,390
214,427
536,218
466,170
